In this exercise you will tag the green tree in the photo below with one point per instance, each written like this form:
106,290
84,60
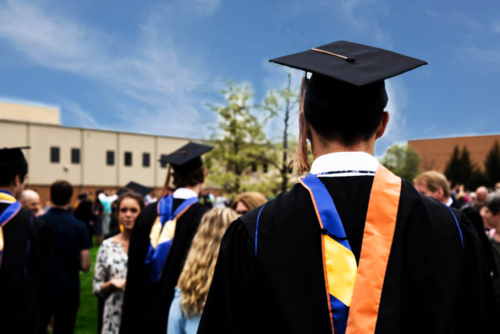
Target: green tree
239,139
281,104
492,165
402,160
453,167
466,167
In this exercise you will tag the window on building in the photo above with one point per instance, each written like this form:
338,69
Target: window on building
265,168
54,154
145,159
75,155
128,159
163,164
110,158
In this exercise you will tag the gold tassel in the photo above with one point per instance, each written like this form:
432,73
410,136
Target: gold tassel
300,158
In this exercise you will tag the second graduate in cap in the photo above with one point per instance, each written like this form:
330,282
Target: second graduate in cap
160,242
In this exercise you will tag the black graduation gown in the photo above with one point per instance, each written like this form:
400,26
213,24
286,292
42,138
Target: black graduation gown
146,304
21,293
432,285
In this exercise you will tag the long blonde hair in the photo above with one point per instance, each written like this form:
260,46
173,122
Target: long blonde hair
200,263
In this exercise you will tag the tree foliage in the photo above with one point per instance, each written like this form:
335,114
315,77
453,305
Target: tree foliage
281,104
492,165
453,167
402,160
239,138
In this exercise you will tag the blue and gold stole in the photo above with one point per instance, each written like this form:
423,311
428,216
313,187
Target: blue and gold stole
7,214
162,234
353,292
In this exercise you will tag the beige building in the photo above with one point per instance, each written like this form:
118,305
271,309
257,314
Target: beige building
89,159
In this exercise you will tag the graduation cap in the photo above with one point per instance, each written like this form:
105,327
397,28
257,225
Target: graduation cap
12,160
135,187
347,78
186,159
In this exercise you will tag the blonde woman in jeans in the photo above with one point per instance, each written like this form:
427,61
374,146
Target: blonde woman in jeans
194,282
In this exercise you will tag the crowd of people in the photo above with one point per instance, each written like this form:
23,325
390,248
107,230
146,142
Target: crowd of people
351,248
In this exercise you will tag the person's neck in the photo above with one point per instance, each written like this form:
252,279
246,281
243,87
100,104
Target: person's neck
320,147
197,188
125,235
9,189
63,207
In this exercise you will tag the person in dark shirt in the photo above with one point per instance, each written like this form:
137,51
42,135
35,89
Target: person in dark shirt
72,243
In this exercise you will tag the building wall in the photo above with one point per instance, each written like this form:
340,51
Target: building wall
435,153
24,113
92,172
95,147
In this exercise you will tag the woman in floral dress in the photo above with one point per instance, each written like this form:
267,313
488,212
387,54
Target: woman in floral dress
111,265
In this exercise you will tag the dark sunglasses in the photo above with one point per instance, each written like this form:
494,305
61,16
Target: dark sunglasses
241,212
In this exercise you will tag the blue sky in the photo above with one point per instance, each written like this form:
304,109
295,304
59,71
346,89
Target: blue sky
151,66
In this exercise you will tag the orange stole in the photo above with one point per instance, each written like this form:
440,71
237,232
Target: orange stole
376,247
375,250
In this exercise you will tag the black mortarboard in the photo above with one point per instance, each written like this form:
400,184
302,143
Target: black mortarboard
12,160
187,158
351,63
347,79
135,187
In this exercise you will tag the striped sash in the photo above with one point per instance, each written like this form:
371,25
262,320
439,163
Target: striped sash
162,234
7,214
353,292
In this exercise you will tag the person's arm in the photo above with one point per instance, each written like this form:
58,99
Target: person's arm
109,286
85,260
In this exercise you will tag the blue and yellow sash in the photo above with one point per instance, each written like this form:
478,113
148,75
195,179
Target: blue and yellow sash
353,292
162,234
7,214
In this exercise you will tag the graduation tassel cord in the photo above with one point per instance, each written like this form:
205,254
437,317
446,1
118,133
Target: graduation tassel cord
301,159
164,190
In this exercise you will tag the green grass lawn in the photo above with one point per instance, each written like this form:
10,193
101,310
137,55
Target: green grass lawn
86,322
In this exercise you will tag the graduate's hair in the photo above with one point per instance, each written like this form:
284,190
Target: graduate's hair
199,267
251,199
7,179
434,180
195,177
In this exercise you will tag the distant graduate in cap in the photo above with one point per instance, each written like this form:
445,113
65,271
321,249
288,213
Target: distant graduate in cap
25,249
136,188
351,248
160,241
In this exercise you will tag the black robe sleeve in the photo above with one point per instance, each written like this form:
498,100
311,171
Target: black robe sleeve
477,310
231,301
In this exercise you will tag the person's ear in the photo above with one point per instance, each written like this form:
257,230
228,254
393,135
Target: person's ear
17,181
383,124
440,192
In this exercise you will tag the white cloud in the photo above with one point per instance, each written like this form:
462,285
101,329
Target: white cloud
84,118
488,56
362,15
496,26
431,13
155,72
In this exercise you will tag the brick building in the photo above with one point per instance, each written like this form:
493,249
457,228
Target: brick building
435,153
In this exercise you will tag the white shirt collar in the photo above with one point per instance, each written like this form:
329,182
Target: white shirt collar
184,193
344,164
450,202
